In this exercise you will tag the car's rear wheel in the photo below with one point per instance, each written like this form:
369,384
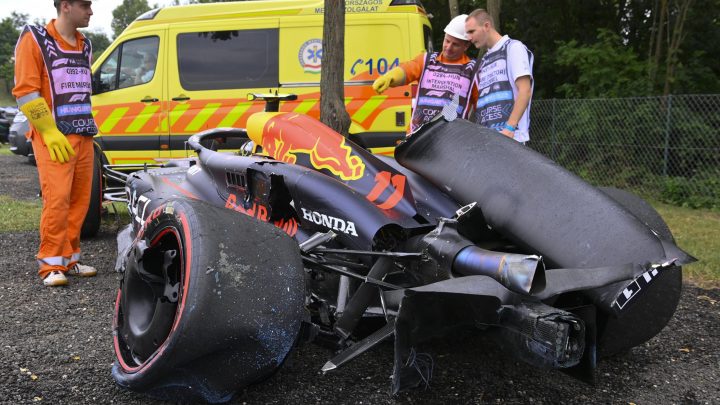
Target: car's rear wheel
649,315
210,301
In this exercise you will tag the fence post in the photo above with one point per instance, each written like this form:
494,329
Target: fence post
553,141
668,114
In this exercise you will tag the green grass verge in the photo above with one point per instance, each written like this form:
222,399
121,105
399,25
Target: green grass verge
7,99
117,214
698,233
18,216
5,149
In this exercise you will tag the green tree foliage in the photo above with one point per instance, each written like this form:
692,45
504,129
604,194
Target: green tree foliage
698,70
607,68
184,2
545,25
637,23
126,13
20,19
439,13
9,33
99,41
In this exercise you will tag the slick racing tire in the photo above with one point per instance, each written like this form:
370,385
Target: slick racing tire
93,218
210,301
648,316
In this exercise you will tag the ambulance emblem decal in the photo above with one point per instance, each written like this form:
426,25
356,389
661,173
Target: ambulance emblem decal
310,55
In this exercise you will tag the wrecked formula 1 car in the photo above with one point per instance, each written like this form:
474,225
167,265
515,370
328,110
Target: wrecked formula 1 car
232,258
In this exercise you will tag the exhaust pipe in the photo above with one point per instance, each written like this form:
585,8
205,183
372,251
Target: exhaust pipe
523,274
451,251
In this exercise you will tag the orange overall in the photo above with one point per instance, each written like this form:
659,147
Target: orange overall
65,187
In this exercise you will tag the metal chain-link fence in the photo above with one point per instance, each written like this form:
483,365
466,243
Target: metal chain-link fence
666,148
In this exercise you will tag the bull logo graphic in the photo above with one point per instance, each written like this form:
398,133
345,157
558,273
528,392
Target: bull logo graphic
286,135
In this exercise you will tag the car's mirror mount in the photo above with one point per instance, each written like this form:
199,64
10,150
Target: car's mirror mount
97,85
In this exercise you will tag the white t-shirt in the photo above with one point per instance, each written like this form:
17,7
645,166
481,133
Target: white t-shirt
518,65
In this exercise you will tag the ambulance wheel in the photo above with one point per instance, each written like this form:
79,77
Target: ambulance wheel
649,315
93,218
210,301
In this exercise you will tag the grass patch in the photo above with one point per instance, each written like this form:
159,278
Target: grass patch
116,215
7,100
16,216
5,149
697,231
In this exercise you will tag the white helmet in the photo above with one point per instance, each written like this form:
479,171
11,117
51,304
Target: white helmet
456,27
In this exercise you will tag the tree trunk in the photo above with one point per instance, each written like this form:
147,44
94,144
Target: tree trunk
493,8
678,35
662,13
454,8
332,94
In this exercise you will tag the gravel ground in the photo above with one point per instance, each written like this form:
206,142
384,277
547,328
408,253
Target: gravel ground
56,347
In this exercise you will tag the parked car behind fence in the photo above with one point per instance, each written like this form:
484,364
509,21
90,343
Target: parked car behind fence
19,144
6,117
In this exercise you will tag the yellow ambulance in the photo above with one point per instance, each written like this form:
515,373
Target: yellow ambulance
180,70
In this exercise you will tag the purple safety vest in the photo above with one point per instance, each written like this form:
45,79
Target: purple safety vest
438,85
495,93
70,83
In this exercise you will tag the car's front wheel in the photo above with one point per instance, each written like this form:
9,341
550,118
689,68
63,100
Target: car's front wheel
210,301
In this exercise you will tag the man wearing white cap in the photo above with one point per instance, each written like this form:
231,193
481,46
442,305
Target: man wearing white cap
440,77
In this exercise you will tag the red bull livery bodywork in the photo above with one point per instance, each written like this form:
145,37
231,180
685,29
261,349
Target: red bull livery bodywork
234,257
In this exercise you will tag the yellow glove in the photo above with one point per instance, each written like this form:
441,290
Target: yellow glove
38,113
393,78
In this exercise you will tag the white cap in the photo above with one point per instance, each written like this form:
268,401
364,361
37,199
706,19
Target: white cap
456,27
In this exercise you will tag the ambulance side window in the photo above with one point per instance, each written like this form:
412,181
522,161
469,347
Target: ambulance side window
138,58
236,59
131,63
107,74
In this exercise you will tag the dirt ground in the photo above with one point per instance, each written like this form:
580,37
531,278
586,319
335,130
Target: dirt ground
56,347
